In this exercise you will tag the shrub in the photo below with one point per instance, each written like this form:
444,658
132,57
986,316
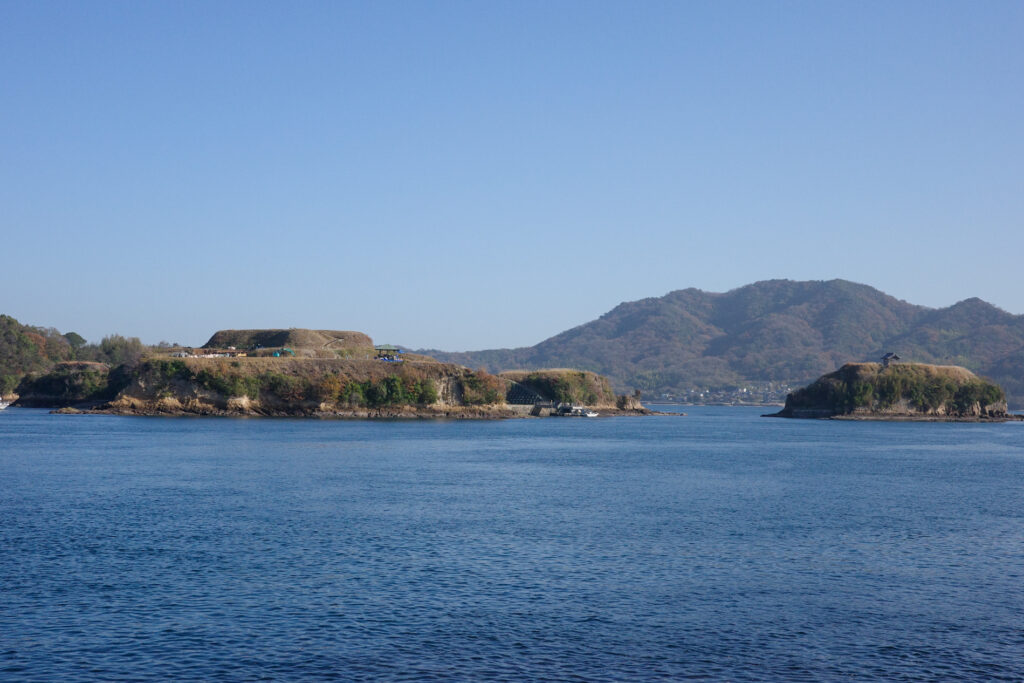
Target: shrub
481,388
860,394
286,387
353,394
69,384
387,392
229,385
329,388
426,392
171,369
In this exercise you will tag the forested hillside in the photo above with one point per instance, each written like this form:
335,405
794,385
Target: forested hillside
773,331
25,349
29,350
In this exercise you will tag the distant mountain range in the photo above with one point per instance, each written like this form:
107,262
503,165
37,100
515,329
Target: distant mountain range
777,331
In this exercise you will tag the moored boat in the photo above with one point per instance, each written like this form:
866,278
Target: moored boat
569,410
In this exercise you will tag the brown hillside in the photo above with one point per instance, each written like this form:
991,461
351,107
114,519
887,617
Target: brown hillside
866,371
316,368
295,338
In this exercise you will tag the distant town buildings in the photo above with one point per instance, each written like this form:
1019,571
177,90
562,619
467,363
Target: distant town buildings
763,393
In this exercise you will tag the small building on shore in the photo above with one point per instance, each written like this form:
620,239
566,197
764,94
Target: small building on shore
889,358
387,352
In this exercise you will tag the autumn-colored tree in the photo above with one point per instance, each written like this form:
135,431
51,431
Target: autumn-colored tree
329,388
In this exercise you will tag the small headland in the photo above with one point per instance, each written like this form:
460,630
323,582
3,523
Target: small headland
316,373
72,383
899,392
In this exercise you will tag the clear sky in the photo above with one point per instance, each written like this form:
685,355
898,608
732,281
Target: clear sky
469,175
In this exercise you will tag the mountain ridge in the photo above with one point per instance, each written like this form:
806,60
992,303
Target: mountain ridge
780,331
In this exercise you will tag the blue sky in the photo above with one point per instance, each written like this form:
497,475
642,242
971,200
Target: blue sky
468,175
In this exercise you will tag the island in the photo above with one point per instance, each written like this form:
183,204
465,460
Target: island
899,391
315,373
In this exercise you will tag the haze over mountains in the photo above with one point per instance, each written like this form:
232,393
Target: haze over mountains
773,331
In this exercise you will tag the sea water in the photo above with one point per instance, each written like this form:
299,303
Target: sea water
719,545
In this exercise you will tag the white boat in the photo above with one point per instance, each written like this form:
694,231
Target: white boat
4,404
568,410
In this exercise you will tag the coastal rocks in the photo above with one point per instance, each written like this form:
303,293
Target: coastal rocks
240,404
629,402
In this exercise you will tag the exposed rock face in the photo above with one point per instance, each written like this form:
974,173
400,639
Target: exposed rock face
630,402
900,391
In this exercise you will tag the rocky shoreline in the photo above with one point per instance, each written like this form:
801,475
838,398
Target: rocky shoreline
432,412
315,387
883,417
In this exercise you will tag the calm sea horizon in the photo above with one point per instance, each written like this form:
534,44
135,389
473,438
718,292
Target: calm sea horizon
719,546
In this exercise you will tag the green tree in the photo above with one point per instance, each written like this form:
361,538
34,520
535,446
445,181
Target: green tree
75,340
426,392
116,350
8,383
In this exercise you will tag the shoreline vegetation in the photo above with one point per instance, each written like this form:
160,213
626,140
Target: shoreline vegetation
900,392
753,345
342,374
313,373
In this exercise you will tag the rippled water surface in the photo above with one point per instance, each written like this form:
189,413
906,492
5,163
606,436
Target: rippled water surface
718,545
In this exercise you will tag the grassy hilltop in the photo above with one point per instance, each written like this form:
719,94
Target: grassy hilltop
317,343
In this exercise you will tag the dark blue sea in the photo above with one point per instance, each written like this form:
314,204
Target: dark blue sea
717,546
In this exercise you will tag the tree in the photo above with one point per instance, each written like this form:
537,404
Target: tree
118,350
76,340
329,388
427,393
